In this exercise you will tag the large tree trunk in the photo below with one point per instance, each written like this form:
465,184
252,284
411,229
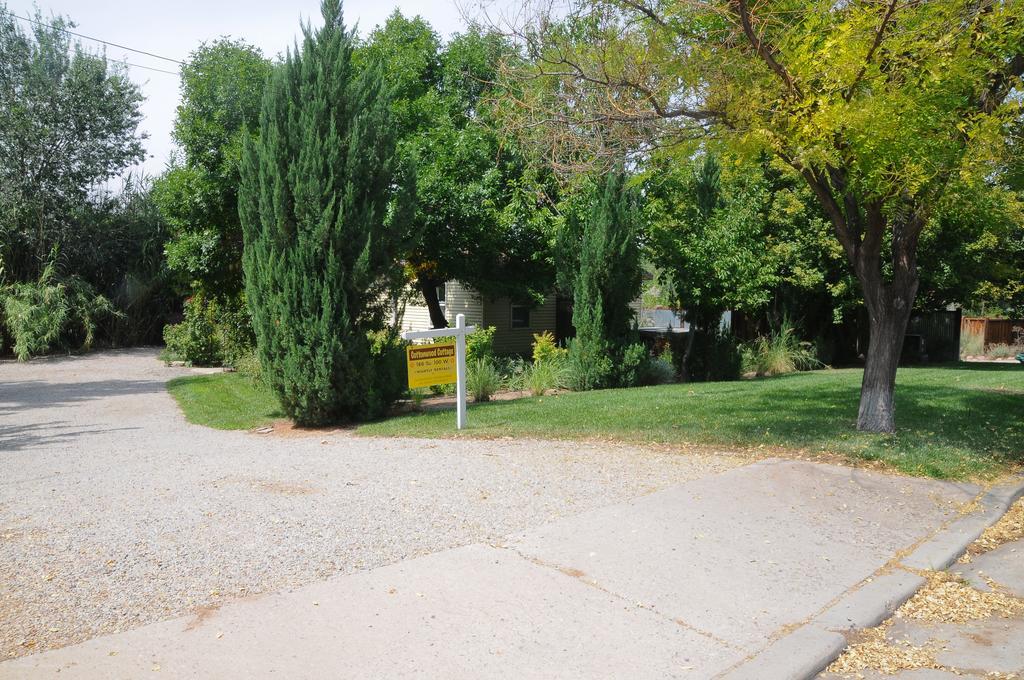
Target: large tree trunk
861,228
888,324
889,304
428,287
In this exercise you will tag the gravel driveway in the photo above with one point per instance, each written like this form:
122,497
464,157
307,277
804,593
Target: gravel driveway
115,512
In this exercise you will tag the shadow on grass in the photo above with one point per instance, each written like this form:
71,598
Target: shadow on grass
983,366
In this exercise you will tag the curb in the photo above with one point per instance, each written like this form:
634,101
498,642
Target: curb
808,650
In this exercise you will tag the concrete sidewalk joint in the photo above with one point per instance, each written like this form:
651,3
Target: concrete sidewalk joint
580,576
805,652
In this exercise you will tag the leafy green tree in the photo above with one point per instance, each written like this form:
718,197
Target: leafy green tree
607,281
747,237
973,250
68,122
482,214
221,89
878,106
323,228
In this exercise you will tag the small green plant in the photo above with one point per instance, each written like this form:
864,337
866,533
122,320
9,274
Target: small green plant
513,371
442,390
972,344
482,380
416,396
213,333
546,349
778,353
541,376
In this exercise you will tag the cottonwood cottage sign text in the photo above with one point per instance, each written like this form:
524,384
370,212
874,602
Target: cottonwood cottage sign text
431,364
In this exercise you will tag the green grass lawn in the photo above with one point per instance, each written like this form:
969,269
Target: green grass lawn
954,421
225,401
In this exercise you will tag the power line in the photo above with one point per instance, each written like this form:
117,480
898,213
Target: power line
148,68
105,42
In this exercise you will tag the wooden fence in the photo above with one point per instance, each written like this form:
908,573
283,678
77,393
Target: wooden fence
995,331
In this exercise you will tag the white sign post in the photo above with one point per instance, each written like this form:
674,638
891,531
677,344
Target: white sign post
460,332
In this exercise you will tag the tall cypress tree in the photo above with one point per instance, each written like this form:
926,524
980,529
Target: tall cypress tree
607,281
319,213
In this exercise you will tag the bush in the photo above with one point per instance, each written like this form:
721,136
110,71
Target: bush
387,355
249,365
715,355
512,370
195,340
233,327
213,333
51,314
546,349
778,353
607,280
632,369
659,371
482,380
480,344
588,367
972,344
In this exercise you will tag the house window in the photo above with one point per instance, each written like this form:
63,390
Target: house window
520,316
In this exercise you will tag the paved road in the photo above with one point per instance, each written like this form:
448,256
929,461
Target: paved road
403,558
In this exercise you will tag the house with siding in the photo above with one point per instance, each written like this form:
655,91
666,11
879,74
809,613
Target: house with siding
515,323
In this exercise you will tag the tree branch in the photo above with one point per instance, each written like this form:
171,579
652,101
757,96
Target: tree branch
642,8
765,51
879,35
1001,85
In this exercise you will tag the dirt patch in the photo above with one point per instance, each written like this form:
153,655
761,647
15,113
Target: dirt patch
443,402
202,615
271,486
287,429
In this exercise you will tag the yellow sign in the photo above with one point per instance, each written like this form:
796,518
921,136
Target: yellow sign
431,364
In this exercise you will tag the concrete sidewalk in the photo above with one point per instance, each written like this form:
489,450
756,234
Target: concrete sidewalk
688,582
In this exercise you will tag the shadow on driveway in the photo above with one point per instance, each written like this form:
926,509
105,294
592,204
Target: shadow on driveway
26,395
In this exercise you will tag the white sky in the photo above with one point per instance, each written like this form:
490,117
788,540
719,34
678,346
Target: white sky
173,28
